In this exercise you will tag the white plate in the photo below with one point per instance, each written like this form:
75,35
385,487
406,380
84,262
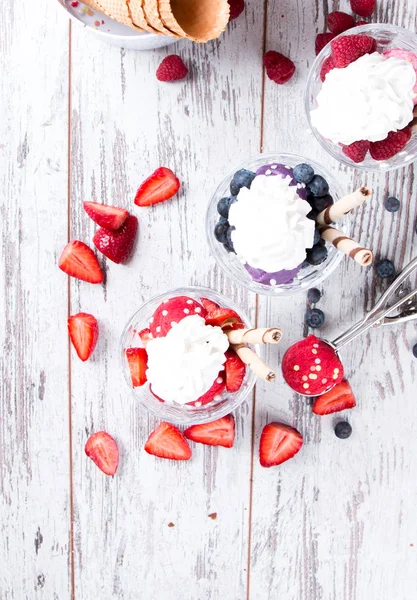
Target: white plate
111,31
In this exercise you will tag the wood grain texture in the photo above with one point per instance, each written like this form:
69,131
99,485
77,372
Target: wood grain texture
34,449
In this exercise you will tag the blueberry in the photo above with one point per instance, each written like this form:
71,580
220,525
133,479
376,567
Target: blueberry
317,236
322,202
343,430
220,231
385,268
415,350
313,295
303,173
318,186
223,206
228,244
317,255
315,318
312,215
392,204
242,178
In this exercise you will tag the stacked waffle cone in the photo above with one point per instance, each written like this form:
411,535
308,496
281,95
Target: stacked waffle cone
197,20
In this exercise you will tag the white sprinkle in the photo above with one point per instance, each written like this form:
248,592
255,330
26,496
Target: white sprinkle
166,301
189,301
273,281
158,329
173,323
217,398
317,361
187,311
274,166
324,380
197,403
268,172
315,345
151,320
197,309
164,313
219,380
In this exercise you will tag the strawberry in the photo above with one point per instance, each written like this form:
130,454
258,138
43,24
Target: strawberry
103,450
279,68
322,39
364,8
216,433
349,48
327,66
110,217
235,371
223,317
78,260
83,331
117,245
393,143
357,151
168,442
137,359
173,311
278,443
209,305
172,68
236,8
145,335
216,390
338,398
160,186
338,22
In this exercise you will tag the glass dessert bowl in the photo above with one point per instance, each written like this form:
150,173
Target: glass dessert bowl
361,97
271,247
177,358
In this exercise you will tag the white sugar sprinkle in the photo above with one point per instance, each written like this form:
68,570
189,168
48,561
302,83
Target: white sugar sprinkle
197,309
173,323
217,398
273,281
164,313
219,380
158,329
187,311
189,301
317,361
268,172
197,403
274,166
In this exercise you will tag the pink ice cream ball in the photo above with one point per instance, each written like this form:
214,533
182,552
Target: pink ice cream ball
405,55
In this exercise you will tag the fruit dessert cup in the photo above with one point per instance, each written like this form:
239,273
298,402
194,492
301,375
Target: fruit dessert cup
361,97
185,355
261,224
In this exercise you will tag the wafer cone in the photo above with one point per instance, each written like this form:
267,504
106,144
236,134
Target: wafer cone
136,12
118,10
198,20
151,12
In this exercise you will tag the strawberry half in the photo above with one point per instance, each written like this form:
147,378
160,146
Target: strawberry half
216,390
278,443
83,332
209,305
78,260
338,398
216,433
223,317
109,217
235,371
172,311
137,359
117,245
160,186
168,442
103,451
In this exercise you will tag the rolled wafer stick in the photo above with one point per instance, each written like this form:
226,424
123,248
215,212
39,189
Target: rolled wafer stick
343,206
254,336
250,358
363,256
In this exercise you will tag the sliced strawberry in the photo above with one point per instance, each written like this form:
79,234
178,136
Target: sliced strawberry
160,186
117,245
83,332
110,217
216,390
78,260
393,143
168,442
103,450
235,371
278,443
338,398
137,359
209,305
223,317
145,335
216,433
172,311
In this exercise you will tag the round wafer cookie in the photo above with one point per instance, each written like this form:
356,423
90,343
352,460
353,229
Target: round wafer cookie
198,20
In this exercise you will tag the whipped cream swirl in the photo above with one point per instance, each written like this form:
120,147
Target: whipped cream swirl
183,365
272,230
366,100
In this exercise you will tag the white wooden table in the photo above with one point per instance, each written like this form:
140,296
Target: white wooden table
81,120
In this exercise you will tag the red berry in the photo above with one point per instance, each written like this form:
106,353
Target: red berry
83,332
160,186
338,22
278,443
236,8
327,66
171,68
110,217
172,311
117,245
235,371
357,151
349,48
279,68
78,260
337,399
322,40
137,359
103,450
393,143
359,23
216,433
168,442
364,8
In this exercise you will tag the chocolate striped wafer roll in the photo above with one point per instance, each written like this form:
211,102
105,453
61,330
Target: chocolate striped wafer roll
254,362
343,206
363,256
254,336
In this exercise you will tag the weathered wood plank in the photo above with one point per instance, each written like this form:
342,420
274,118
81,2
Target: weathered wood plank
34,448
124,125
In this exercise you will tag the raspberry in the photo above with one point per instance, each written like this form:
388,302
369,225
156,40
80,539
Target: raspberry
393,143
327,66
236,8
322,40
279,68
171,68
349,48
364,8
357,151
338,22
359,23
